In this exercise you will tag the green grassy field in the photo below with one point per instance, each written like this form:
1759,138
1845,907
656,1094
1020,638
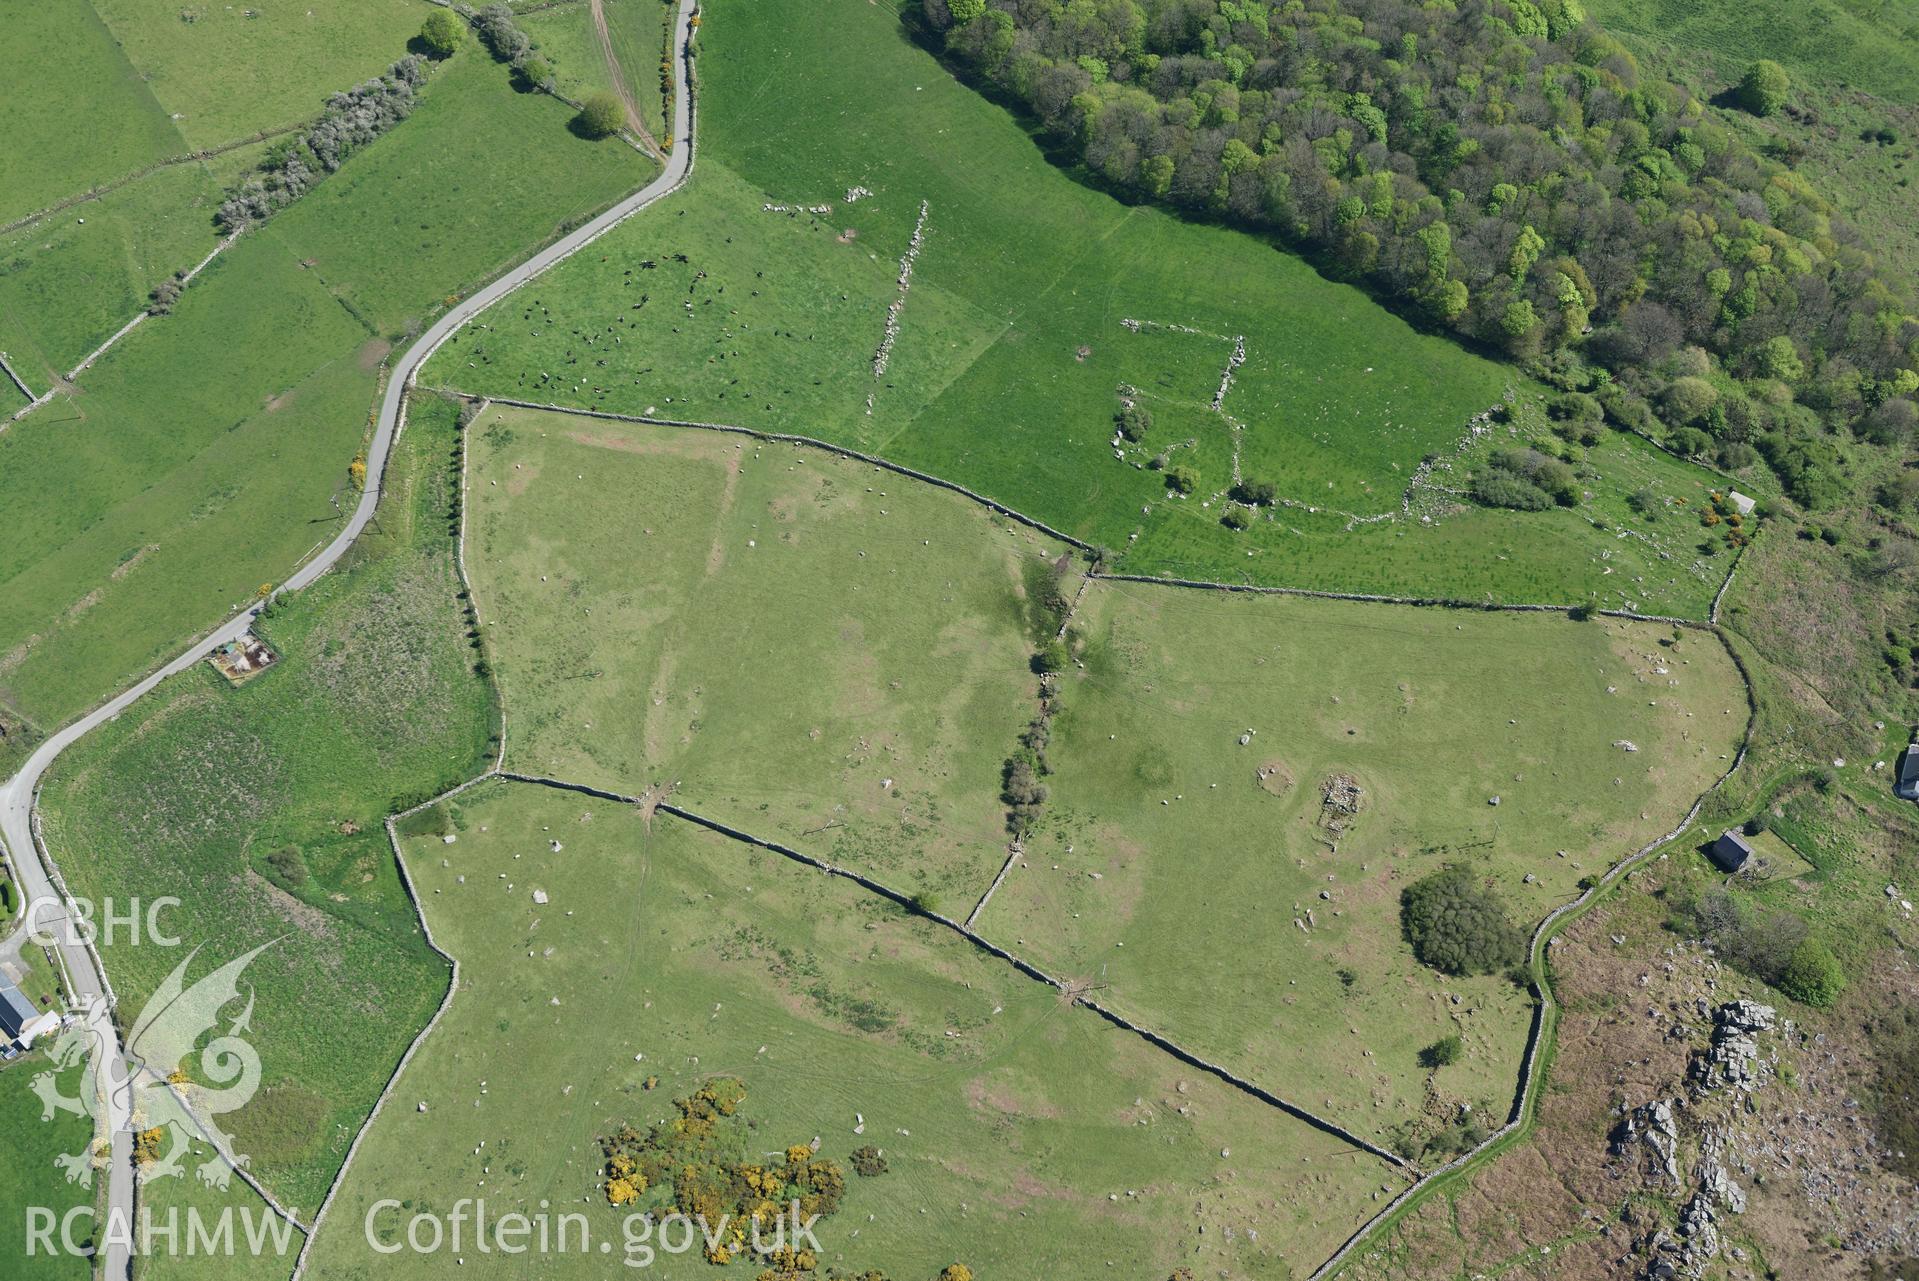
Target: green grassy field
565,36
810,648
1194,881
50,153
188,469
1014,337
199,790
69,282
482,176
28,1176
226,71
1024,1137
260,1253
191,466
1866,44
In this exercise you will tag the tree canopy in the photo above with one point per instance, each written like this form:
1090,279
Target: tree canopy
1813,975
441,33
1457,925
1501,168
1762,90
601,115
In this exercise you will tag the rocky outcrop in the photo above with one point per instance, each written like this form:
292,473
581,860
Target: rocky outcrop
1649,1133
1731,1059
1726,1069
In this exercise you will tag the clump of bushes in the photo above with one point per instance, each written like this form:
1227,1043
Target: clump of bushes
288,866
1022,790
351,120
868,1162
1444,1052
1458,926
500,34
694,1162
506,42
1812,975
600,115
1575,407
1762,90
1525,480
1022,785
160,301
440,34
1773,945
1133,420
1255,493
1182,479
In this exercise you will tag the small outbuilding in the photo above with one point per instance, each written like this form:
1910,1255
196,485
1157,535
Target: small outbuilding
20,1023
1907,784
1731,851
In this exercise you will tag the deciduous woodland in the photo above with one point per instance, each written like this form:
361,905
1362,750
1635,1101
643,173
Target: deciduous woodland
1506,171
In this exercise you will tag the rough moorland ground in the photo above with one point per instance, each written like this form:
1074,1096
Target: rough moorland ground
260,808
195,462
1031,301
813,649
601,952
1199,881
1807,1148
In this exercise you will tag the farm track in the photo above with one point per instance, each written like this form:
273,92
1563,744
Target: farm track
621,85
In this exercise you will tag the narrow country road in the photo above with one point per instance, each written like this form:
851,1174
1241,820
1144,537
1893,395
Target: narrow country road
40,878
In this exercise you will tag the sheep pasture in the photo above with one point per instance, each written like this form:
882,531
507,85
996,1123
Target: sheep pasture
1196,867
808,647
955,302
611,962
